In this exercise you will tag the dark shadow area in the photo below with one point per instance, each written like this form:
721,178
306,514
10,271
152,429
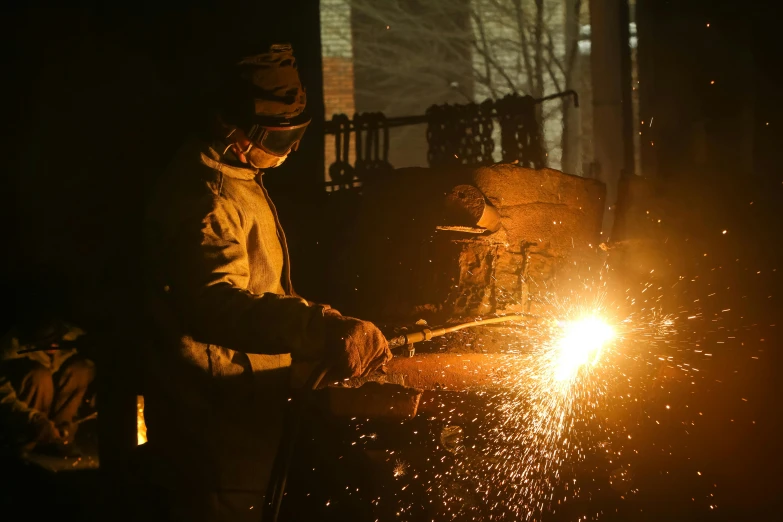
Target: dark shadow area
101,98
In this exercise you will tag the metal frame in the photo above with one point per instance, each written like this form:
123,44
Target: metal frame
400,121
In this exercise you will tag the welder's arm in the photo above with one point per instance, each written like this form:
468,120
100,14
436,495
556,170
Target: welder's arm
328,310
209,287
17,418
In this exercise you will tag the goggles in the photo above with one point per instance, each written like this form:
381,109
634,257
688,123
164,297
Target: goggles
278,138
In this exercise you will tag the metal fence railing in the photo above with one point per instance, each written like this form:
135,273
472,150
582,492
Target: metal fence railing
456,135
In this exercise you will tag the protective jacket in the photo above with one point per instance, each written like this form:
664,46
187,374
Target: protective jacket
226,324
15,414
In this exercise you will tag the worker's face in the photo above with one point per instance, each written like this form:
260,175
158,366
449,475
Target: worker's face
254,156
260,159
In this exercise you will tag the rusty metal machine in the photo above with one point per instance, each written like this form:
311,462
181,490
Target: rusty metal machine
388,400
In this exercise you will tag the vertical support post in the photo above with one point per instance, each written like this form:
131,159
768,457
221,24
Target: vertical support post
612,140
572,121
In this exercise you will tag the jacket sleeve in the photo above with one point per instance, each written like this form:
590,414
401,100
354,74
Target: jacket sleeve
15,415
210,275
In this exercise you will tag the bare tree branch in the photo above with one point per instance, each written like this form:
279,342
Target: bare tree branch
572,51
466,48
483,37
489,60
553,56
553,76
520,18
539,78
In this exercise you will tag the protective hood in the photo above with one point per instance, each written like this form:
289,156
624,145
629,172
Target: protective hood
275,87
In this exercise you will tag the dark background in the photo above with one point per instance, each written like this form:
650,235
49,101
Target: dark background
97,99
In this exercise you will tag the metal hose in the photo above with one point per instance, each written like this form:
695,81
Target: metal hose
428,333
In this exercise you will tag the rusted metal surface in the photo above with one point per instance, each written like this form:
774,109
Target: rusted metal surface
465,205
432,382
375,400
414,385
454,372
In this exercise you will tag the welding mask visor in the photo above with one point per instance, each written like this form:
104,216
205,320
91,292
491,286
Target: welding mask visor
278,137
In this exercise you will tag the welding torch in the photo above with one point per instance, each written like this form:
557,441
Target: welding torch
426,334
58,346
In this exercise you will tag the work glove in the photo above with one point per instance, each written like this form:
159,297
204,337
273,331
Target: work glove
356,347
42,432
67,430
50,440
329,311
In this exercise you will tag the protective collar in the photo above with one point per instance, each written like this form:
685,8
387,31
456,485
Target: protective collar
211,158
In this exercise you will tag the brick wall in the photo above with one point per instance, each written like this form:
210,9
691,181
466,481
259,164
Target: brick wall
338,85
337,50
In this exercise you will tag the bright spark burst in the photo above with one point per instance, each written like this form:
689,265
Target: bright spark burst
400,468
580,344
554,424
557,379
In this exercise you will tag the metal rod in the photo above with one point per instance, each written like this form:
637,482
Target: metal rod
491,320
331,127
428,333
91,416
569,92
399,121
61,346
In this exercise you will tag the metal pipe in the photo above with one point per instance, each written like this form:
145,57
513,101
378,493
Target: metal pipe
332,127
428,333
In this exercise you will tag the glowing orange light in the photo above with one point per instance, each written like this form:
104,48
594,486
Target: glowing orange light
141,426
580,344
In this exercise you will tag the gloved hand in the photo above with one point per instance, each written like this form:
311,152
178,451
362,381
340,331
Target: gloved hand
42,432
357,347
328,310
67,430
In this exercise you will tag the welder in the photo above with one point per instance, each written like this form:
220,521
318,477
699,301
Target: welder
227,323
44,381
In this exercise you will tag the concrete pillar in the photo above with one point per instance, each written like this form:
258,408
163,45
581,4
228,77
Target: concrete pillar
610,61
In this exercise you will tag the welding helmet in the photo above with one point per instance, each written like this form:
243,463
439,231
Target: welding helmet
269,100
278,137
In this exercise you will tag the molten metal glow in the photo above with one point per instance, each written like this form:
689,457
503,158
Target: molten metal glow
141,426
580,344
